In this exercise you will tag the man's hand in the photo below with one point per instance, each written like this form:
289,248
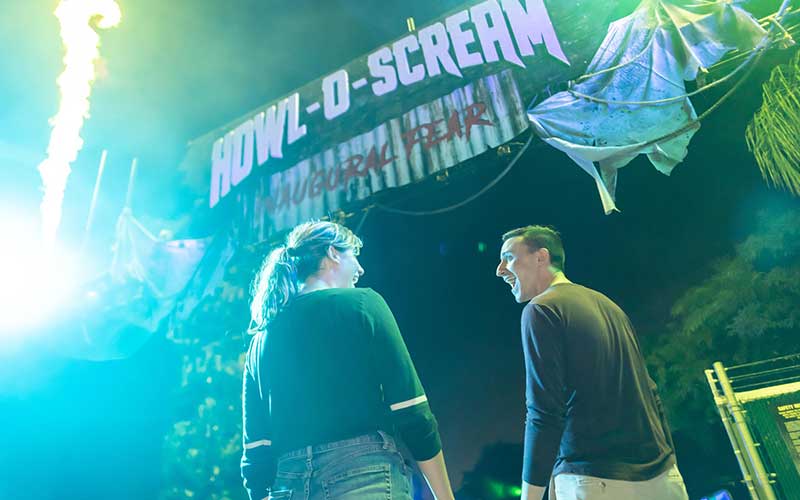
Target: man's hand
531,492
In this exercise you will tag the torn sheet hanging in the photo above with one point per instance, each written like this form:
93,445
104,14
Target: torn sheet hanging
150,279
645,57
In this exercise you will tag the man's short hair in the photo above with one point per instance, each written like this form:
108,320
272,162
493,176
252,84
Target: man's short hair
538,237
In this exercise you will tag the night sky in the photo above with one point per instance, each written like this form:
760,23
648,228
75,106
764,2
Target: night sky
178,69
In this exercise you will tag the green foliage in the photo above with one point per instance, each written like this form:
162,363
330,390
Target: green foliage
746,310
201,453
496,473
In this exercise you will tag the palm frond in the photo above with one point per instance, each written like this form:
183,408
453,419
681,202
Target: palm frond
773,136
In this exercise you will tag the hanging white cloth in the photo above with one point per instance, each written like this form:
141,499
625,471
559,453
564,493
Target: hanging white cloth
645,57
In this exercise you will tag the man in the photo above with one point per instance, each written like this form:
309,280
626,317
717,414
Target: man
595,427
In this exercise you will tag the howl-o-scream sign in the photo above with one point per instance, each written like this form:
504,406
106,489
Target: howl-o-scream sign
427,139
429,100
448,46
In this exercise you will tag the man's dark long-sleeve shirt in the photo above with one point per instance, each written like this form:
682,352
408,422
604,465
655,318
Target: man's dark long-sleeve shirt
592,407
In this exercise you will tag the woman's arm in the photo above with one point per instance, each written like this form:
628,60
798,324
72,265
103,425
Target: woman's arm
435,474
531,492
405,396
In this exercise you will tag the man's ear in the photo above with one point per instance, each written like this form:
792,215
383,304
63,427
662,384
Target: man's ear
333,254
543,256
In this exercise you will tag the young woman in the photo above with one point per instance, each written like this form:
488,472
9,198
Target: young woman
328,381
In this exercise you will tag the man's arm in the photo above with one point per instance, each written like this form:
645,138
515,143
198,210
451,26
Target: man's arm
545,394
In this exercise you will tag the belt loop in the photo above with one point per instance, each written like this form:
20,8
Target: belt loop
386,439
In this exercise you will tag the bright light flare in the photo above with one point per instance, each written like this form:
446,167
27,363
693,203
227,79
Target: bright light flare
36,281
75,85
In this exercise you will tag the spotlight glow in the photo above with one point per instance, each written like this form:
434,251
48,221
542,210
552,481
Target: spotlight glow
75,84
35,281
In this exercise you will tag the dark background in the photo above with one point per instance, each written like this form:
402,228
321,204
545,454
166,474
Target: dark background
77,429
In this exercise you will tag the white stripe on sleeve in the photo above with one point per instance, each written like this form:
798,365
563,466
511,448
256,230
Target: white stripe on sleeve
256,444
410,402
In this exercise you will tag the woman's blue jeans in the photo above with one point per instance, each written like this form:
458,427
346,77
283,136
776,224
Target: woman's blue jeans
367,467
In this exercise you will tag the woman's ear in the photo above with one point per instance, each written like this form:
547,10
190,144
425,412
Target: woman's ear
333,254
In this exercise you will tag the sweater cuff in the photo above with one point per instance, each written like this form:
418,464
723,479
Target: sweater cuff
419,430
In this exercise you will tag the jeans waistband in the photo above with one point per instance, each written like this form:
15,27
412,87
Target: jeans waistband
377,437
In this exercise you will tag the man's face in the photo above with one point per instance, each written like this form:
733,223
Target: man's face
347,268
521,269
